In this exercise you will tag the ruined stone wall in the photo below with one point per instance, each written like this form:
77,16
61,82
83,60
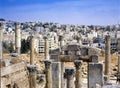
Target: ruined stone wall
89,51
84,51
15,75
92,51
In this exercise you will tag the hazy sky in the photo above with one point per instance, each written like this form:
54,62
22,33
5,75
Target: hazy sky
101,12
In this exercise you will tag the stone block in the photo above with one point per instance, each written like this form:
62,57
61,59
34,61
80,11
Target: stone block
15,60
54,57
4,63
94,58
56,74
95,74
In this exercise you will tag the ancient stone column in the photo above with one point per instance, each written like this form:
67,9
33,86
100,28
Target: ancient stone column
46,49
62,63
1,38
95,72
61,44
118,75
48,72
62,74
31,50
107,57
32,76
17,38
61,40
65,81
78,75
56,75
119,65
70,74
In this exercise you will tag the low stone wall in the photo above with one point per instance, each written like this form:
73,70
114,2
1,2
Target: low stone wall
14,76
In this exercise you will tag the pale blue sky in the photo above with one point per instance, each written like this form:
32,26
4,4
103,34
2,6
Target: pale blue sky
98,12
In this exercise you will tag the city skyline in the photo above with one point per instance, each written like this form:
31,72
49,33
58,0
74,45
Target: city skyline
87,12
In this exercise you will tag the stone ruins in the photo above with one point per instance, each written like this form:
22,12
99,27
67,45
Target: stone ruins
16,73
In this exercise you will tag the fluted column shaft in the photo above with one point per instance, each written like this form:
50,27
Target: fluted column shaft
32,50
78,75
32,76
1,39
107,57
46,49
17,38
48,71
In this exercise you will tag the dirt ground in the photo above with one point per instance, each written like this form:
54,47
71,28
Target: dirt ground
114,60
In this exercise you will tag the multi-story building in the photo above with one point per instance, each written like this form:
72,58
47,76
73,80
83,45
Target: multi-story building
113,43
40,42
118,44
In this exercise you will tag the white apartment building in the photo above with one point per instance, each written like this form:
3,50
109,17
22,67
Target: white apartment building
92,34
40,43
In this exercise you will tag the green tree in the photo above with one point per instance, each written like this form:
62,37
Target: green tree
112,51
8,47
25,46
5,47
11,47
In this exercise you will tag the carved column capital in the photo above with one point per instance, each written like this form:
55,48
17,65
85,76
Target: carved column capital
45,38
17,25
78,63
107,37
47,64
70,72
32,68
